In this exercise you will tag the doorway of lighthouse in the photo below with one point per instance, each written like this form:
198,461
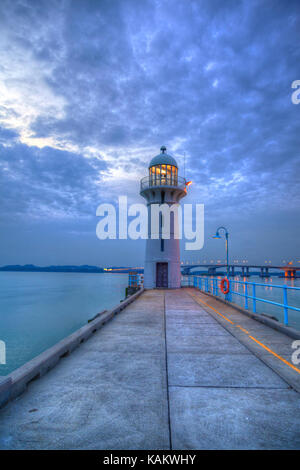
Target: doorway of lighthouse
162,275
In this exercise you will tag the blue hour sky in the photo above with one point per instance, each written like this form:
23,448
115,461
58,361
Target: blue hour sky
90,90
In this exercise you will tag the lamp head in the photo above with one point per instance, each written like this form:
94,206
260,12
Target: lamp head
217,235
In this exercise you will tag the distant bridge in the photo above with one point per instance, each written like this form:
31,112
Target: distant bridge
245,270
242,269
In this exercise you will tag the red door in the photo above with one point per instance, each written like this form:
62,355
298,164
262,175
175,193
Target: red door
162,275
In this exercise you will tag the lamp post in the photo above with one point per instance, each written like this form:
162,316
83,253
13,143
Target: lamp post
218,236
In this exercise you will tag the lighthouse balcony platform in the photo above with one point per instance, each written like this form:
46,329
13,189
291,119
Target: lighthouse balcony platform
151,182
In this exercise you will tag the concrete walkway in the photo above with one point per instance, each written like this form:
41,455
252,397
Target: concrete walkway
168,372
222,395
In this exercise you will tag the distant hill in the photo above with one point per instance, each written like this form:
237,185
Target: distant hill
85,268
53,269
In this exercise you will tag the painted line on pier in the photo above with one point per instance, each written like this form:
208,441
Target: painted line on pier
213,309
247,333
274,353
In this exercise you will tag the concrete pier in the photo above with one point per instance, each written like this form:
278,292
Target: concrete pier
176,369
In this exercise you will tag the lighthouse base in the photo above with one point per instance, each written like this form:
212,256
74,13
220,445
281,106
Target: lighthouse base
162,274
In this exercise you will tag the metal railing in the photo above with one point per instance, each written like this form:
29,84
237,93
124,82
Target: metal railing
135,279
173,182
211,285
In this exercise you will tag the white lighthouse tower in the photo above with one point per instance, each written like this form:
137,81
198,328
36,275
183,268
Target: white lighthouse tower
162,186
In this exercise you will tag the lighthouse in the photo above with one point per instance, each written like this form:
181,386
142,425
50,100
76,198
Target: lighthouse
164,188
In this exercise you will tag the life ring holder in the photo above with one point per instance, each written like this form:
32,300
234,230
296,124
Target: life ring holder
224,289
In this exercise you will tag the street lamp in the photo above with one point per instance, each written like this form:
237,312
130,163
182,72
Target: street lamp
218,236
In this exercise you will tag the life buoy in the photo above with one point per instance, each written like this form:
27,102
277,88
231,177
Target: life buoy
224,289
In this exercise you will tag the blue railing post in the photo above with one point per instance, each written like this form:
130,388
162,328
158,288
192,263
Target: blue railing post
285,303
254,298
216,286
246,295
195,281
206,284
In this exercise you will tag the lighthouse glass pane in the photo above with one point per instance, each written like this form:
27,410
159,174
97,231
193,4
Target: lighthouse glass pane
169,174
175,176
151,175
157,172
163,174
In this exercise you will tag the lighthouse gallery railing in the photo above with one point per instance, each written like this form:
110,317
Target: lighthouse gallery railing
151,182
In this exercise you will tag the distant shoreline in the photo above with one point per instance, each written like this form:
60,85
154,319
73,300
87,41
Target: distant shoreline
67,269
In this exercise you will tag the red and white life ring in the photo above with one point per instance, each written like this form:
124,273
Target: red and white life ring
224,289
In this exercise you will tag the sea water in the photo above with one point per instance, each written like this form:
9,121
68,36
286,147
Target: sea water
39,309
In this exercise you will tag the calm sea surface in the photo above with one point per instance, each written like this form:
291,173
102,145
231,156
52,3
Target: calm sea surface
39,309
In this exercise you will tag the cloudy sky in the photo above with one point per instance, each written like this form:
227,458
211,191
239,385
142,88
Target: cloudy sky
90,90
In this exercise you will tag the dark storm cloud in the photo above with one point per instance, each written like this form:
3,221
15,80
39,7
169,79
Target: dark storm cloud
208,78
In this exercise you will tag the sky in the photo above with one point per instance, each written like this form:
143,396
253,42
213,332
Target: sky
90,90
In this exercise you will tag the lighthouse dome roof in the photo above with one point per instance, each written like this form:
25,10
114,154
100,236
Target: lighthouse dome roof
163,159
